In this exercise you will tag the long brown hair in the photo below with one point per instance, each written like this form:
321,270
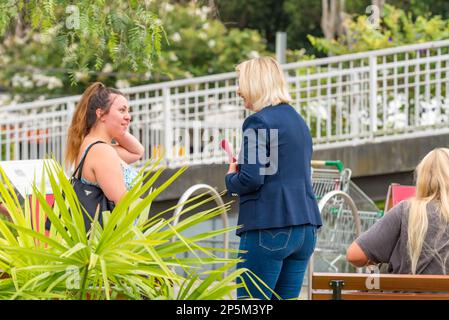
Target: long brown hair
94,97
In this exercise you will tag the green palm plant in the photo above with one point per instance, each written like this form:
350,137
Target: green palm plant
131,256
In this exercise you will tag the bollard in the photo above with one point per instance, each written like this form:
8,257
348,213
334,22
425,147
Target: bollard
336,289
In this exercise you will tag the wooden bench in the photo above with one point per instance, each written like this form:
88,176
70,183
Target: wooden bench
365,286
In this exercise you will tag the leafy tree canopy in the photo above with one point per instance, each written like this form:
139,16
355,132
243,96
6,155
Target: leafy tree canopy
89,31
40,62
396,28
300,18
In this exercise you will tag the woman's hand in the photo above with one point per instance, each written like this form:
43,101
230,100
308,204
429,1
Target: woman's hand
128,148
232,167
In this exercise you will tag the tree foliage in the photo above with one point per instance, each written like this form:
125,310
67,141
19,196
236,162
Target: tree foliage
90,31
122,43
39,63
300,18
199,45
396,28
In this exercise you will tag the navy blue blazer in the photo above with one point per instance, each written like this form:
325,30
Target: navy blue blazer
274,178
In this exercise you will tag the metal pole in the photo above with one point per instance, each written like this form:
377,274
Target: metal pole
281,47
168,130
373,93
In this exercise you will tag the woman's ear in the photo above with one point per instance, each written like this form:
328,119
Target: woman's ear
99,112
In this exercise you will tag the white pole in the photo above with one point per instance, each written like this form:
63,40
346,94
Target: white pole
373,93
168,134
281,47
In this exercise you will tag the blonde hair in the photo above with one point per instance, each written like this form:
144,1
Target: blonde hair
262,82
432,184
94,97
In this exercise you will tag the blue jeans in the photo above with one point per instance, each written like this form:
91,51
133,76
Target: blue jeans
279,257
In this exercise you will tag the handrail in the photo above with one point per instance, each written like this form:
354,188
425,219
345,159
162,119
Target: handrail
347,100
331,163
186,195
367,54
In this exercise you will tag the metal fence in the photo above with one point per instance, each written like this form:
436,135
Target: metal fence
378,95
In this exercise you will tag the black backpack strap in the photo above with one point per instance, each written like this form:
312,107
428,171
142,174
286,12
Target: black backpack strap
79,169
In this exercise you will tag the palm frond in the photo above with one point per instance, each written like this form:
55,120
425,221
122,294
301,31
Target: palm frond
133,255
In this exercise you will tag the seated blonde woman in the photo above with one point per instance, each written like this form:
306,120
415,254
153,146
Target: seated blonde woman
413,237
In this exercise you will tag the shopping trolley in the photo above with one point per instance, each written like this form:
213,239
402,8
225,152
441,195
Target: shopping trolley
338,201
328,176
367,210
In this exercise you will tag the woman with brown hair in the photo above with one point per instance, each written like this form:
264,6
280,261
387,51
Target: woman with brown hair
101,117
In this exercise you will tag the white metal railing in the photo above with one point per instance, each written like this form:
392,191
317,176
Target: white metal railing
378,95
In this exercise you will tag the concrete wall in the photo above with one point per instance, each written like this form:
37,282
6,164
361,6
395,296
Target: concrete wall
385,157
375,165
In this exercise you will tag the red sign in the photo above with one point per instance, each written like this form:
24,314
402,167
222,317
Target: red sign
397,193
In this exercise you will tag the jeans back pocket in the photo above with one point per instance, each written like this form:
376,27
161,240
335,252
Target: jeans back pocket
274,239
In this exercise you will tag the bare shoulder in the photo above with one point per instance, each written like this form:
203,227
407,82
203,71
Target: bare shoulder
102,151
104,165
